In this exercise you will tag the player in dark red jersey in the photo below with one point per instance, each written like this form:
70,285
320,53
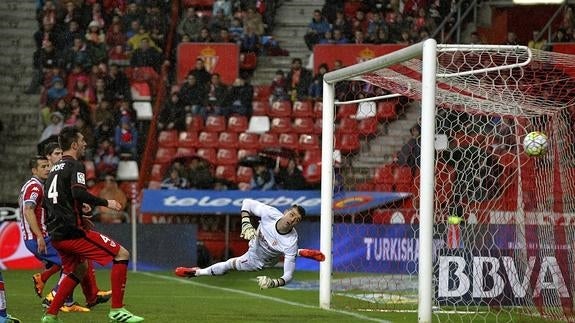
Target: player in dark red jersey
37,241
72,234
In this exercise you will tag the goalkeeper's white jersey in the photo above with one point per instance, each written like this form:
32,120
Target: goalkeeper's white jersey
269,244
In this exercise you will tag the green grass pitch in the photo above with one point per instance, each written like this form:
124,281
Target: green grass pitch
235,297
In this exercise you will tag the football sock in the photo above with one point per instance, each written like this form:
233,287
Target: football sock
65,289
119,277
48,272
2,298
89,286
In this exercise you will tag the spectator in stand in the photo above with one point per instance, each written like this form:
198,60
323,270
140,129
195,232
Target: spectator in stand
327,38
48,13
359,37
146,55
405,38
410,153
57,91
126,138
193,96
316,29
174,181
475,38
45,59
83,90
68,13
339,37
218,22
105,158
95,34
105,129
133,13
278,88
135,41
101,93
158,37
511,39
382,37
190,24
73,31
224,6
263,178
111,191
77,55
359,21
298,80
173,115
132,30
205,36
341,23
116,36
561,36
47,33
290,177
254,20
199,175
54,128
239,100
224,36
61,106
316,87
154,18
217,92
538,41
200,72
117,83
375,24
236,29
250,41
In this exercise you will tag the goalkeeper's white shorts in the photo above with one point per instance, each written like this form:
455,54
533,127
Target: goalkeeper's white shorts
254,260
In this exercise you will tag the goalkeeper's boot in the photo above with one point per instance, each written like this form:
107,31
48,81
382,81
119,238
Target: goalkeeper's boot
118,315
38,284
102,297
49,318
186,272
311,254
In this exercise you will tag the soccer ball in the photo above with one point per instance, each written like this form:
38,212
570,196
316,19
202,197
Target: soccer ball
535,144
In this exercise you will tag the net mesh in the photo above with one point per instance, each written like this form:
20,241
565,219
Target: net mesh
503,232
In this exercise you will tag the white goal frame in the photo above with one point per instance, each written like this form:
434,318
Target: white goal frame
427,50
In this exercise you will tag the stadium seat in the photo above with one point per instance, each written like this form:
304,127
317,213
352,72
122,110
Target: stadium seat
312,173
157,172
185,152
318,109
261,92
243,153
346,111
154,185
168,138
244,174
259,124
188,139
289,140
143,110
260,108
281,125
226,172
365,186
165,155
228,140
368,127
215,123
268,140
248,61
318,126
227,156
311,156
280,109
302,109
303,125
140,91
127,170
248,140
403,174
347,125
195,123
209,154
348,143
386,110
237,123
208,139
384,174
308,142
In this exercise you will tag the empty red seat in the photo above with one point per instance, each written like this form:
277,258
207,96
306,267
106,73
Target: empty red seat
289,140
303,125
227,156
318,126
157,172
243,153
215,123
280,109
248,61
261,92
302,109
311,156
318,109
165,155
308,142
312,173
403,174
195,123
168,138
280,125
208,139
386,110
226,172
348,143
384,174
260,108
249,140
228,140
141,91
268,140
347,125
185,151
346,110
244,174
368,127
209,154
237,123
188,139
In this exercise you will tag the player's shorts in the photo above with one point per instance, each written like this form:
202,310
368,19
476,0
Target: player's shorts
51,256
94,246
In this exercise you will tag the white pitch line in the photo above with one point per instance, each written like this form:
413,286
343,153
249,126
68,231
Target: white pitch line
269,298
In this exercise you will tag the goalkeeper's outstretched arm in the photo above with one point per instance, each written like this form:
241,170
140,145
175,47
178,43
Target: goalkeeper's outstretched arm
289,268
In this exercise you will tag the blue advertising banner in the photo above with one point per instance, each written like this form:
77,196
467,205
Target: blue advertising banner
229,202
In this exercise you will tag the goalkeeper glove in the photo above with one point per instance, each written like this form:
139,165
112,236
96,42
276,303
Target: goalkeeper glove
266,282
248,231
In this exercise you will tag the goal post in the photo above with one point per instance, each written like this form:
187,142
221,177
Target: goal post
467,223
427,49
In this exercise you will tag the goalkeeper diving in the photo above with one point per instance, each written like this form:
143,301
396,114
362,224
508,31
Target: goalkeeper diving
275,236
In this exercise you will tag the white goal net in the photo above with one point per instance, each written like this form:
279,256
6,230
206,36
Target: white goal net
481,230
